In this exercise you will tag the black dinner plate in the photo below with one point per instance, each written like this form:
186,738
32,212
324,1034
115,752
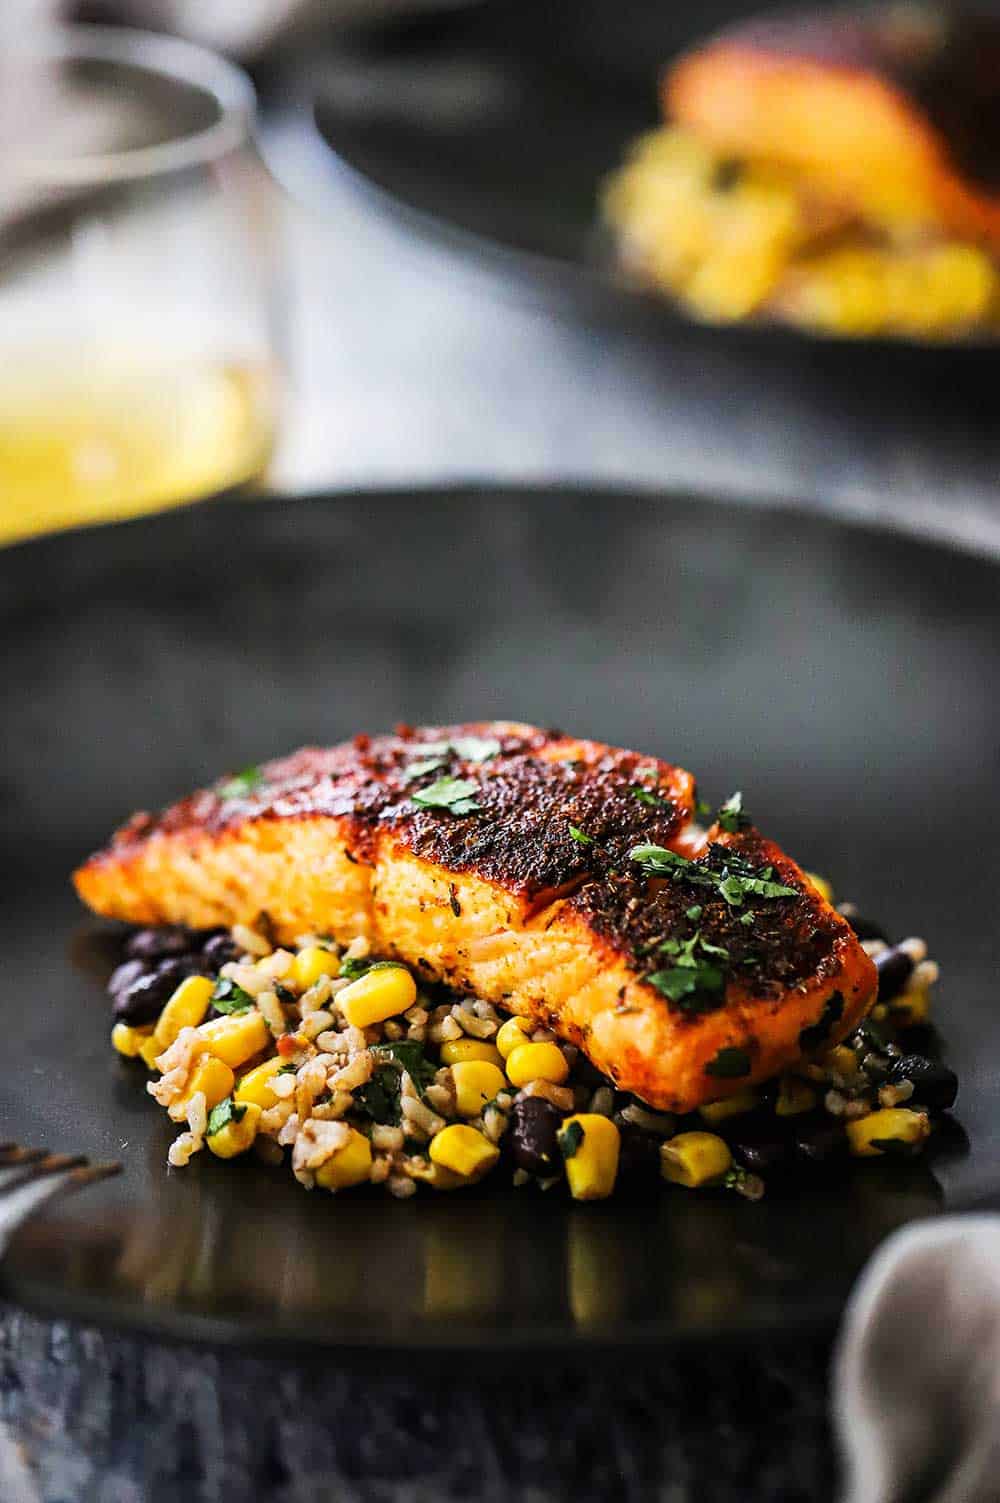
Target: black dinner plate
495,127
843,678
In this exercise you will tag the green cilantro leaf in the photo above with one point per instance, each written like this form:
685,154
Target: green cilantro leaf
242,783
731,817
694,987
694,912
418,769
652,799
579,836
453,794
409,1055
378,1098
227,997
729,1064
569,1139
220,1116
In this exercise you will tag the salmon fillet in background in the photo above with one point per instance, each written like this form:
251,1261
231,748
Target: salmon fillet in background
520,888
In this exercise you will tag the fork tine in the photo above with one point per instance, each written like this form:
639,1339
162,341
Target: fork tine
26,1187
13,1153
89,1174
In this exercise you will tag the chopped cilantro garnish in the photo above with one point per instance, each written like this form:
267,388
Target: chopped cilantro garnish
646,771
731,817
579,836
729,1064
746,919
694,912
409,1055
228,997
646,797
694,986
220,1116
453,794
360,965
569,1139
817,1033
378,1098
242,783
701,809
730,874
469,748
418,769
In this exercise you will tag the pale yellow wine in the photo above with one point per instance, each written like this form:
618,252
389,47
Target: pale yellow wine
92,441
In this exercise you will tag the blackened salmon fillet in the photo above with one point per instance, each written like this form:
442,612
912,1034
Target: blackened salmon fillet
561,879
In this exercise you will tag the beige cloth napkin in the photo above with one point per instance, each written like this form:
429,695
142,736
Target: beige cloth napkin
917,1372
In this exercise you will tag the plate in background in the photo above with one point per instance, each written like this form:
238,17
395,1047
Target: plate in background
844,678
494,129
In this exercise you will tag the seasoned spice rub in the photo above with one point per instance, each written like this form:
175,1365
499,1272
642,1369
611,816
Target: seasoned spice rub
561,879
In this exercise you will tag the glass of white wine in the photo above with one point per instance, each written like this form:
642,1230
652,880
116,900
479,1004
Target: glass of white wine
137,311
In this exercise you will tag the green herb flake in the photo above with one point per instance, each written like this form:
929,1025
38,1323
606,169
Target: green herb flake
696,987
652,799
453,794
227,997
817,1033
729,1064
378,1098
408,1055
220,1116
468,748
569,1139
419,769
648,771
242,784
354,966
730,816
746,919
579,836
694,912
702,809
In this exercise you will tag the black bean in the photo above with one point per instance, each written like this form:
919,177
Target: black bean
934,1085
143,1001
534,1125
821,1141
124,975
219,951
760,1145
640,1152
895,967
866,928
156,944
179,966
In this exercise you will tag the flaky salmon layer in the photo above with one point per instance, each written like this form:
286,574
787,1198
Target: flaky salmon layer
499,859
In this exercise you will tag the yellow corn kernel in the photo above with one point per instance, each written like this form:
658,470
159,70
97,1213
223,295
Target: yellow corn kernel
894,1124
213,1077
592,1167
731,1106
476,1082
821,885
464,1151
149,1051
794,1096
914,1007
843,1060
381,993
694,1158
537,1062
236,1038
350,1165
129,1041
255,1085
236,1137
457,1051
186,1008
312,963
513,1034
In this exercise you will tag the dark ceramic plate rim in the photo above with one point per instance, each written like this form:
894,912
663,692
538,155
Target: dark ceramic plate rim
644,1341
567,285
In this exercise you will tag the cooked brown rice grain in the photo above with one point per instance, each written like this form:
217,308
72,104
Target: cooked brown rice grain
380,1169
857,1108
315,1024
316,997
290,1131
245,976
417,1032
560,1096
894,1095
274,1118
401,1187
661,1123
271,1008
494,1124
283,1086
446,1031
521,1177
197,1114
277,965
441,1095
331,1042
835,1103
416,1014
356,1073
419,1117
249,940
543,1036
393,1030
388,1139
357,949
181,1149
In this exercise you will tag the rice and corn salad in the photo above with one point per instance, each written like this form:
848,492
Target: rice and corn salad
735,238
365,1075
